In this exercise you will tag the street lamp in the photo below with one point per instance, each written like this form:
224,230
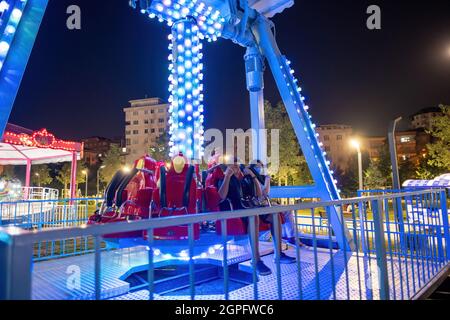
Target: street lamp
85,172
356,144
98,179
126,169
39,179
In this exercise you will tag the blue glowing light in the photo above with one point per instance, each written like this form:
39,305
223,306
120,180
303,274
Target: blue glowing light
185,88
11,15
208,21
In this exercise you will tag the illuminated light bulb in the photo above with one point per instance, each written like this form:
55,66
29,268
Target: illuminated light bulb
159,7
4,6
16,14
10,29
184,11
188,64
181,113
180,70
188,86
181,92
4,47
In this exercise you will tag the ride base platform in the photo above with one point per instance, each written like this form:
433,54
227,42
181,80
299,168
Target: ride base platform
323,275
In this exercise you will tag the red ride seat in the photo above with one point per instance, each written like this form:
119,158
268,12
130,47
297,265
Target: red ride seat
132,198
178,195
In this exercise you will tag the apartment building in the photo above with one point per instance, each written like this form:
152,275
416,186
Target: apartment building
145,120
336,143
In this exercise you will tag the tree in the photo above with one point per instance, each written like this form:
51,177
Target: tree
8,172
112,162
64,174
374,177
293,169
439,150
160,151
40,175
425,171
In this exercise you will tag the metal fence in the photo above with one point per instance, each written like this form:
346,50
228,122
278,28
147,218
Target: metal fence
37,215
397,254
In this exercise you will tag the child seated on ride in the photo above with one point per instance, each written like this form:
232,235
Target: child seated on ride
235,185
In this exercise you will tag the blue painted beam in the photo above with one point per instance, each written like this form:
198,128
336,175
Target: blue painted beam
303,127
16,60
292,192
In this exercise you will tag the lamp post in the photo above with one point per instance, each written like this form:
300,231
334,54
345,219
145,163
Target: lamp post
39,179
393,153
98,179
355,144
85,172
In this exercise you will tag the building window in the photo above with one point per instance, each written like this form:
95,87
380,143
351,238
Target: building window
161,120
146,130
152,111
135,131
326,138
161,110
128,132
153,131
135,122
405,139
135,113
146,112
127,123
161,130
128,142
338,137
145,121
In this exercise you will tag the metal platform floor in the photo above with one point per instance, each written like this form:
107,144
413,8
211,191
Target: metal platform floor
357,281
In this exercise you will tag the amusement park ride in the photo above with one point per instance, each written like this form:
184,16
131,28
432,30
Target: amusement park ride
150,189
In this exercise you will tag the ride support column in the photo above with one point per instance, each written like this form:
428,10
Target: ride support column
186,99
254,69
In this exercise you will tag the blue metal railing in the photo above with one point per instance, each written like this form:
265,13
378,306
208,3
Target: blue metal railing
39,215
393,259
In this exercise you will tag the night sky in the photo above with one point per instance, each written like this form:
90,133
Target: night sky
77,82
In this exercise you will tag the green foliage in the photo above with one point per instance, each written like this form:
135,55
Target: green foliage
425,171
374,177
113,162
439,150
160,151
379,173
293,169
64,173
8,172
40,175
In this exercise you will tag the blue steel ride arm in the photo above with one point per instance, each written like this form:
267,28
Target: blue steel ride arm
20,42
304,129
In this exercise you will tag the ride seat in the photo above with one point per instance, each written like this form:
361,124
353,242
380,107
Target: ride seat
178,195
